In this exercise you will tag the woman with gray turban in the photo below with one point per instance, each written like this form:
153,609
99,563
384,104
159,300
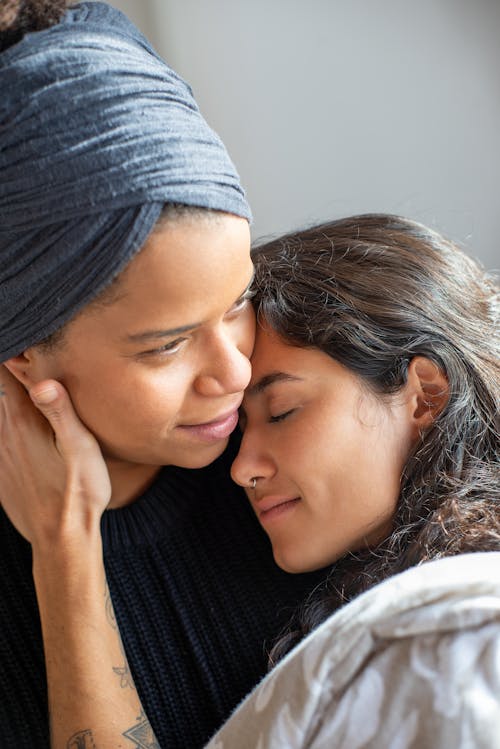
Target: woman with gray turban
124,274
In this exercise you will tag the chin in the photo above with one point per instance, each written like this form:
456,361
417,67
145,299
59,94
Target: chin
196,458
202,457
296,565
291,565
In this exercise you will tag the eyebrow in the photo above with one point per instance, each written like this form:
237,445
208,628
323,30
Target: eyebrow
149,335
268,380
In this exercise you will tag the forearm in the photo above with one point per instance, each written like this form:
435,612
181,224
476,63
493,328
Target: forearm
93,703
55,486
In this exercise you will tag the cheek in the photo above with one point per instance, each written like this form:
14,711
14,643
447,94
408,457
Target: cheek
306,456
393,449
153,395
114,396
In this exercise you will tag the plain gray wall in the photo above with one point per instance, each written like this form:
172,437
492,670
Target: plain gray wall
333,107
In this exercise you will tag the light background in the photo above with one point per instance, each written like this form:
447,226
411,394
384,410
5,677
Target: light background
334,107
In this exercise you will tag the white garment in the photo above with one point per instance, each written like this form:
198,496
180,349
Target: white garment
413,663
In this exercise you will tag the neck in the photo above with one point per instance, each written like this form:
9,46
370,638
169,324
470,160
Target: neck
128,481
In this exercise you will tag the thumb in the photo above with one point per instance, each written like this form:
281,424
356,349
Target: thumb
52,400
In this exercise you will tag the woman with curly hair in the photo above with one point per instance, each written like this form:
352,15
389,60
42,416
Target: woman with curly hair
370,452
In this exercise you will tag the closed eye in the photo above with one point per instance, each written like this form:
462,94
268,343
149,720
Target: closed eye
280,417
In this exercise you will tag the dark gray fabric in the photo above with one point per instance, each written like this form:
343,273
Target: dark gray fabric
97,133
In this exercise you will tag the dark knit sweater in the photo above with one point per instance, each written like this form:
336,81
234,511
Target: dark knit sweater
196,594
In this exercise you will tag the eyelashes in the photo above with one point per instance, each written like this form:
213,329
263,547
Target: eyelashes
272,419
280,417
168,348
172,347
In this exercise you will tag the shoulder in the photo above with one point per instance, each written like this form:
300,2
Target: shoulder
416,658
452,594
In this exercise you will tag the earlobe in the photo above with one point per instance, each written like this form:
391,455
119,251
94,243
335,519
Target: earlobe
430,388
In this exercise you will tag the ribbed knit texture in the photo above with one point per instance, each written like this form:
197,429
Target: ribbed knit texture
196,594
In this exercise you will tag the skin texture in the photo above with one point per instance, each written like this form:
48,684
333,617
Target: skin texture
59,512
139,396
316,436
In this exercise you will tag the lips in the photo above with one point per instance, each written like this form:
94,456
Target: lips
272,507
210,431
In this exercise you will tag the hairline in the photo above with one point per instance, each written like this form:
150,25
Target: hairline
171,214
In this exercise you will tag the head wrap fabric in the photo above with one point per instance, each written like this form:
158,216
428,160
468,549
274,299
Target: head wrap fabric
97,133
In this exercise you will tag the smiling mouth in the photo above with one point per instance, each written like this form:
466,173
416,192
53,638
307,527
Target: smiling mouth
212,431
276,510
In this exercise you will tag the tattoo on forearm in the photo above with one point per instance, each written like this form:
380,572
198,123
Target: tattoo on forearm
123,672
141,735
126,679
82,740
110,614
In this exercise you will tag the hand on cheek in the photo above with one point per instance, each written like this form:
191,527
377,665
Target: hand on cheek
54,482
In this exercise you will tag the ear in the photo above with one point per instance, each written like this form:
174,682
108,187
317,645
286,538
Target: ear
24,367
429,391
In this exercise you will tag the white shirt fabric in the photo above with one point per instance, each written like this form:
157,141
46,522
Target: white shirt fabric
413,663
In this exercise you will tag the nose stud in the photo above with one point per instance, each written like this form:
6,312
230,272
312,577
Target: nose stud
253,483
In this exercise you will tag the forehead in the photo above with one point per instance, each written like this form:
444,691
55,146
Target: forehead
266,350
191,253
272,356
187,272
275,360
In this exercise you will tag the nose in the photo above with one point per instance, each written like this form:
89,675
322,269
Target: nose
253,461
227,369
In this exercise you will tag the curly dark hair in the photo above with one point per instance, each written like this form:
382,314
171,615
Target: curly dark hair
18,17
372,292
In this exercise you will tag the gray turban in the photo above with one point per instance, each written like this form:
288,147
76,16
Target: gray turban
97,133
